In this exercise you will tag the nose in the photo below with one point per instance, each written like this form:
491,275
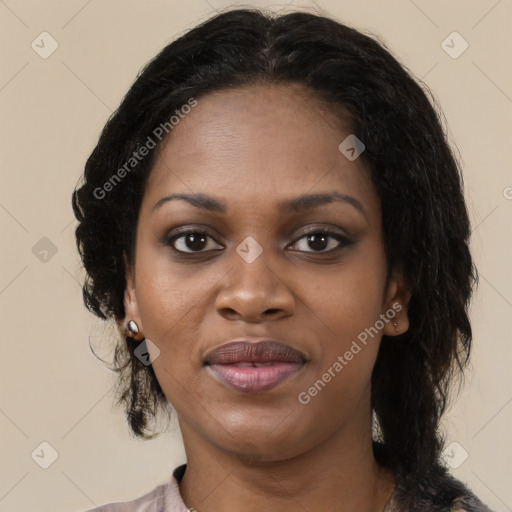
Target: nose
255,292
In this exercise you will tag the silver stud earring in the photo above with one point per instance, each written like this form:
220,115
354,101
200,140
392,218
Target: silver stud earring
133,327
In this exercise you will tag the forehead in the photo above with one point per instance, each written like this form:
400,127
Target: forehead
259,143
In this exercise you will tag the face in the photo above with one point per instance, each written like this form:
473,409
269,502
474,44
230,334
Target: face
312,277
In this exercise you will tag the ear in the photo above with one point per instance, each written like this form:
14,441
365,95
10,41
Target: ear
396,305
130,305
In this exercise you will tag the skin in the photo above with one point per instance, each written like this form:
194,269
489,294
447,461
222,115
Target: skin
253,148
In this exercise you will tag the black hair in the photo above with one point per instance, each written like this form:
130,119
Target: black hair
424,217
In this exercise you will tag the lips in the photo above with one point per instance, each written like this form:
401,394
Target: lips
260,352
252,367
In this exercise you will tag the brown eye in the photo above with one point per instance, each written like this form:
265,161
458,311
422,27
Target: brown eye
322,241
191,241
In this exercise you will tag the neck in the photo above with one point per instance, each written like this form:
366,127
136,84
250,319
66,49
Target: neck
339,474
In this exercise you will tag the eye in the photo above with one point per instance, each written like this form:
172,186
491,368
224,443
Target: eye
190,241
322,240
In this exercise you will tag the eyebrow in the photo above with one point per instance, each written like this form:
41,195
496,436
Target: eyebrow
296,204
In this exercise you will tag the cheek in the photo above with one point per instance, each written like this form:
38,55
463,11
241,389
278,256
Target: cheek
339,379
346,304
174,302
165,304
347,298
167,292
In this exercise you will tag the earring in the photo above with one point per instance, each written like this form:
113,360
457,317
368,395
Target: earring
133,327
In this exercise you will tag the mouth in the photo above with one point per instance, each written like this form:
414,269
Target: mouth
251,367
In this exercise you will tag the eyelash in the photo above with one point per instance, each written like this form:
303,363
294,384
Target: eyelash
171,238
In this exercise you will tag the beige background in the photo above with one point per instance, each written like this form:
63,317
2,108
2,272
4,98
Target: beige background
52,388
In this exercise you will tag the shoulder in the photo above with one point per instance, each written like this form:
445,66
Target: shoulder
153,501
437,491
163,498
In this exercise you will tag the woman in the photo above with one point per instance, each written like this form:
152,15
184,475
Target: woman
276,222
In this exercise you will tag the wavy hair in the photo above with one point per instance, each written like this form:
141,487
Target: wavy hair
424,216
